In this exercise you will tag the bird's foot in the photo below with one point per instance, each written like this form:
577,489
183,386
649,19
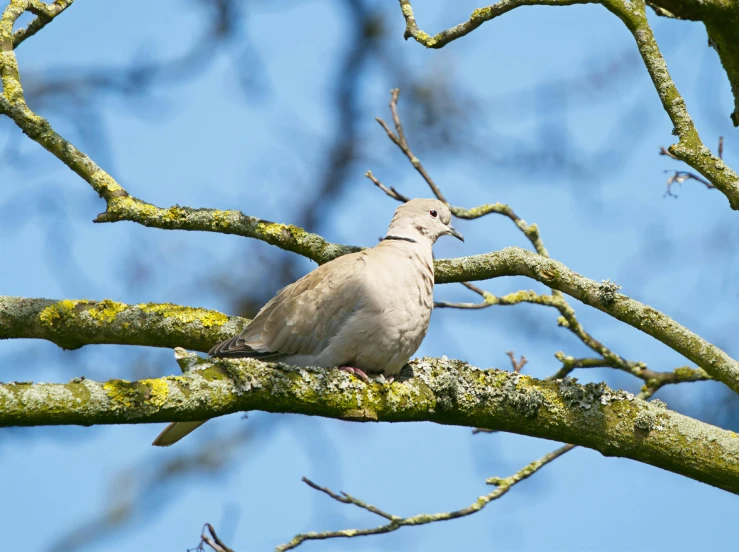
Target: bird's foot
357,372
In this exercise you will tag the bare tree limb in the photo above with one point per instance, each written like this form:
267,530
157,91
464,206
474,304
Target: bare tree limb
211,539
503,486
517,365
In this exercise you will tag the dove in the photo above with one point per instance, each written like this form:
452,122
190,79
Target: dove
365,312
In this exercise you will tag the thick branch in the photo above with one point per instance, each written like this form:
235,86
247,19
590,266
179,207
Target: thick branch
722,25
72,324
442,391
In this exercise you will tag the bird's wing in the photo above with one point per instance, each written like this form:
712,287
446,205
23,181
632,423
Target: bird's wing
303,317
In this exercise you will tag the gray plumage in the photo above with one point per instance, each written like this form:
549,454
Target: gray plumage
368,310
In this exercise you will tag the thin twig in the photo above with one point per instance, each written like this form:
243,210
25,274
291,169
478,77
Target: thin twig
517,364
348,499
679,177
392,192
399,139
213,541
503,486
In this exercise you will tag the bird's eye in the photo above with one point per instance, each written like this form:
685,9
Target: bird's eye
433,213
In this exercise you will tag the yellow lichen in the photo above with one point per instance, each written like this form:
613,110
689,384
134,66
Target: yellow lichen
481,13
186,315
221,218
106,310
425,39
55,312
100,179
159,391
120,391
175,213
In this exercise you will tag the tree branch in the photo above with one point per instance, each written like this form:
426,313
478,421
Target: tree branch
514,261
45,14
503,485
441,390
74,323
478,17
689,149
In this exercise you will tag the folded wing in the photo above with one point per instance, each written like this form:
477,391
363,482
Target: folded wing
302,317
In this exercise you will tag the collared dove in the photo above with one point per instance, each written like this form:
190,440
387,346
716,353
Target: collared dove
362,312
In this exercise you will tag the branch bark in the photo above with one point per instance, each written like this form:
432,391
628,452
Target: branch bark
72,324
441,390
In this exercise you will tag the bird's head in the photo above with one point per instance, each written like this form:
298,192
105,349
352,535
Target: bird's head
423,219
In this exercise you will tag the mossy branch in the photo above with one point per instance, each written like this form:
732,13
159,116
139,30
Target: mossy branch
74,323
441,390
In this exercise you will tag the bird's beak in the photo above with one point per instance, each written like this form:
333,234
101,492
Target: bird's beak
454,232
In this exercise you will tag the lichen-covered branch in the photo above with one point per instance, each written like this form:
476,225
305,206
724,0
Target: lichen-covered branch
503,484
74,323
45,14
689,149
721,18
478,17
722,21
441,390
653,380
604,296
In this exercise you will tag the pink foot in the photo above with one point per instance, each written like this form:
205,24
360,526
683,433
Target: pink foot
357,372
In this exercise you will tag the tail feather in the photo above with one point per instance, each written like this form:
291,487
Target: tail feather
174,432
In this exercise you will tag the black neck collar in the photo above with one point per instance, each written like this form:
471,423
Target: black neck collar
400,238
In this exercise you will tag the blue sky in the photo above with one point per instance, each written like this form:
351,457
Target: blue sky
564,83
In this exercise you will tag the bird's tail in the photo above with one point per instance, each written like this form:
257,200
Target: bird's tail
174,432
